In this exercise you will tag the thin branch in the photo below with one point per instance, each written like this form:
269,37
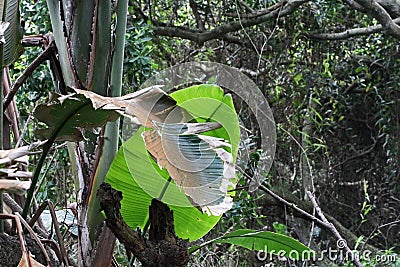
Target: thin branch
258,13
355,5
360,154
245,5
340,241
254,73
34,40
199,22
349,33
308,208
40,210
35,237
293,206
388,224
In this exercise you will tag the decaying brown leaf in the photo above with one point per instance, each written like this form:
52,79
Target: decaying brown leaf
10,161
143,107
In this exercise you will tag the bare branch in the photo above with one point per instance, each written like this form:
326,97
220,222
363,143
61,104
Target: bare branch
258,13
355,5
333,229
293,206
27,72
349,33
199,22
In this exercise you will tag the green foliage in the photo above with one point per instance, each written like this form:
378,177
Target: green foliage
280,228
138,65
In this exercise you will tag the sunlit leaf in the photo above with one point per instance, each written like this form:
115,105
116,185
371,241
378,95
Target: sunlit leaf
140,179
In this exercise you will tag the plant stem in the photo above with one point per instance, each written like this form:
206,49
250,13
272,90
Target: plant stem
111,132
46,148
1,126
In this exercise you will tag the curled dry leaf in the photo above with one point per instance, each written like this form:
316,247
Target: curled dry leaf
67,115
143,107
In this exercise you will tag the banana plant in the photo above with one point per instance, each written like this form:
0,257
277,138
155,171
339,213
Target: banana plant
90,52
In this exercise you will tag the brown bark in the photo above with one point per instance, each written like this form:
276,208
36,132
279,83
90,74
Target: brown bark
163,248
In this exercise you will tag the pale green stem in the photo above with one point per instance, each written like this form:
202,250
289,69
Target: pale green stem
111,133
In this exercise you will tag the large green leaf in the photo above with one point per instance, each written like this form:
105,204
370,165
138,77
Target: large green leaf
139,178
262,240
12,48
67,116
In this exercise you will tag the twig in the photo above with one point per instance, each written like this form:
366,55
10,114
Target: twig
50,166
10,202
26,73
293,206
287,7
54,246
380,14
363,153
258,13
56,227
333,229
388,224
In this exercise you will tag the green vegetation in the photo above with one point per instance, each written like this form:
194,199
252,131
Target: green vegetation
329,71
